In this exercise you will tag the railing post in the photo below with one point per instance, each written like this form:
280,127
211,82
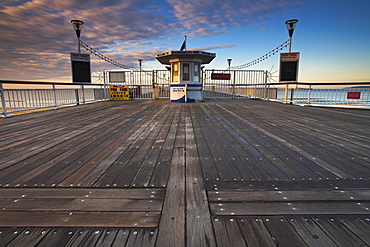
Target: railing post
292,95
154,93
55,97
265,89
309,95
286,93
77,97
83,94
234,84
2,94
105,86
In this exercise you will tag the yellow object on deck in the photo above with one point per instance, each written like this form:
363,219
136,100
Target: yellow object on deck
119,92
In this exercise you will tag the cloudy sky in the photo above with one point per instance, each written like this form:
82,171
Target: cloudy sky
37,37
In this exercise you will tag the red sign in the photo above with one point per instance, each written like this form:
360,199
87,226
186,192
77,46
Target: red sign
353,95
289,56
80,57
220,76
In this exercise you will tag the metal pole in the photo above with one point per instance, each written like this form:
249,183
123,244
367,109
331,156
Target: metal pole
55,97
286,93
78,45
154,96
234,84
3,101
309,95
83,94
265,90
290,44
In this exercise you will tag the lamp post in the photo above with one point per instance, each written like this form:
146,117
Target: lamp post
77,26
140,65
290,25
229,63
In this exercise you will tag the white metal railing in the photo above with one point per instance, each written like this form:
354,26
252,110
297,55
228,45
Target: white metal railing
237,86
143,84
355,94
17,96
253,84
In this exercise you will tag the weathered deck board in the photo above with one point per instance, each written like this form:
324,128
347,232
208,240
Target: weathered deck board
198,220
219,173
172,224
79,219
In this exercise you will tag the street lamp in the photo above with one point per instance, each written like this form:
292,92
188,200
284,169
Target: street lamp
290,25
77,25
140,64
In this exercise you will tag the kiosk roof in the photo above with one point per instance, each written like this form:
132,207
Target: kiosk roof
165,57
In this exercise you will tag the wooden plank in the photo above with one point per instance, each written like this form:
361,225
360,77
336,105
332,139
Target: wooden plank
8,234
208,166
199,230
88,237
282,232
287,208
138,162
302,185
116,173
141,145
82,193
338,232
145,172
358,226
78,238
282,156
254,155
79,219
289,196
309,142
255,232
58,237
240,159
319,161
142,237
310,232
172,223
55,171
113,159
28,237
107,237
121,238
227,232
217,154
161,172
59,144
86,204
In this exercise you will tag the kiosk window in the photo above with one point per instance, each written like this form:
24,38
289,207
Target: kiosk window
175,72
186,72
196,72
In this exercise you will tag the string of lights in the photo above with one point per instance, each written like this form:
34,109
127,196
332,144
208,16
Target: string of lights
264,57
98,54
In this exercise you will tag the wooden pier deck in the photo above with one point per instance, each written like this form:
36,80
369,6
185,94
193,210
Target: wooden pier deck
219,173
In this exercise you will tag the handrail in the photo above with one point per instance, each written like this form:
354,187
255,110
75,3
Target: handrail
319,83
49,83
25,99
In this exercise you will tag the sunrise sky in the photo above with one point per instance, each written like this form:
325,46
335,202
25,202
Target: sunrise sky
37,36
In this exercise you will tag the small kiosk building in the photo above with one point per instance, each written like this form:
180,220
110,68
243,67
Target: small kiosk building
186,75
